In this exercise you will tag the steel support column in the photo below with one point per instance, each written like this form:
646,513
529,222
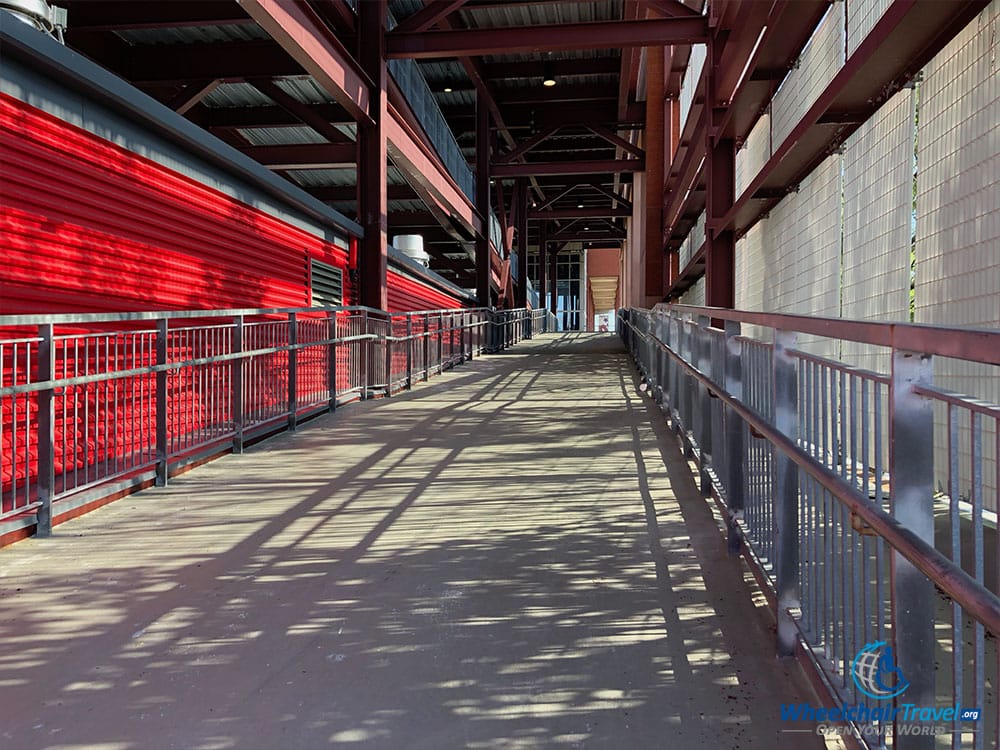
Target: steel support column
373,158
543,259
483,200
521,288
554,279
720,253
653,249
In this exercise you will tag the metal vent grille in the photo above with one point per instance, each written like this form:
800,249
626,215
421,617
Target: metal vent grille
327,285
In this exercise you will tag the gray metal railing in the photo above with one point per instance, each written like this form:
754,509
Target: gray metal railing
91,404
826,475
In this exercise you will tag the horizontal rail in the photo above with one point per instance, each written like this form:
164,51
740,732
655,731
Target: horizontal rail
947,576
972,344
97,405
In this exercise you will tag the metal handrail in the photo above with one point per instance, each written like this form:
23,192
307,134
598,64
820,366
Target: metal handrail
947,576
69,420
793,444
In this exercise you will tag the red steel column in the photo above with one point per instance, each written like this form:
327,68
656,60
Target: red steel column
543,259
653,245
720,170
483,199
522,243
373,202
554,279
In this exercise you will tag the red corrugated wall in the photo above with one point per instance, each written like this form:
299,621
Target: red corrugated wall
406,295
88,226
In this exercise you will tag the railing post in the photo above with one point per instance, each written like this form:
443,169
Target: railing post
366,354
461,334
331,360
409,351
734,479
236,378
427,347
912,489
293,371
786,489
440,337
46,431
162,447
387,338
703,344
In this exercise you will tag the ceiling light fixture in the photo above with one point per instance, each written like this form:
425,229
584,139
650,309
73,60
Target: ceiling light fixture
448,89
549,74
579,205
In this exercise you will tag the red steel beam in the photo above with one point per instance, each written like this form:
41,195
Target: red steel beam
569,167
529,144
581,213
304,112
572,36
304,36
192,94
431,14
561,69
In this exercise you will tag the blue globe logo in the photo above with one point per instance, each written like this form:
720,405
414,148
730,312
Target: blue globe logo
875,672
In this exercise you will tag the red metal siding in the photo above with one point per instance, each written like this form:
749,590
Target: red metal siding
88,226
407,294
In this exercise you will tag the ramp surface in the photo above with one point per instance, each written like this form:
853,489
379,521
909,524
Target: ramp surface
512,556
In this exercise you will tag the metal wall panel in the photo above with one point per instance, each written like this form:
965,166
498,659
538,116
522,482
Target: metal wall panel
801,251
90,226
695,295
689,83
862,15
750,272
878,195
958,212
693,242
754,153
819,62
407,294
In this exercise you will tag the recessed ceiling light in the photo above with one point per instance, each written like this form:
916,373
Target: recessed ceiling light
448,89
579,205
549,75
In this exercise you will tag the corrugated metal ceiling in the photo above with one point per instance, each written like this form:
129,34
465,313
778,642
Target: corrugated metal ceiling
541,13
281,136
193,34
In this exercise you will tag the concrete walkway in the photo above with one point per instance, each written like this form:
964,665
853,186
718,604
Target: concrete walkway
512,556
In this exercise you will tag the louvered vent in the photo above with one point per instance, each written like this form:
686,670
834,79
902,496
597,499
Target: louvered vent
327,285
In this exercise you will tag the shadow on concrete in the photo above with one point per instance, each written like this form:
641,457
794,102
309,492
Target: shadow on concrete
511,556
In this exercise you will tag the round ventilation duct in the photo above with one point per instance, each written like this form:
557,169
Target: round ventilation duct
38,13
412,246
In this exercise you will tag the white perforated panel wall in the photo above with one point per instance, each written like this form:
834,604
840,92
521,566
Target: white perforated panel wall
695,295
878,195
750,274
801,252
689,83
958,206
862,15
754,154
819,62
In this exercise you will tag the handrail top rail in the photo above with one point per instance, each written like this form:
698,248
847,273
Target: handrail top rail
968,343
13,321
